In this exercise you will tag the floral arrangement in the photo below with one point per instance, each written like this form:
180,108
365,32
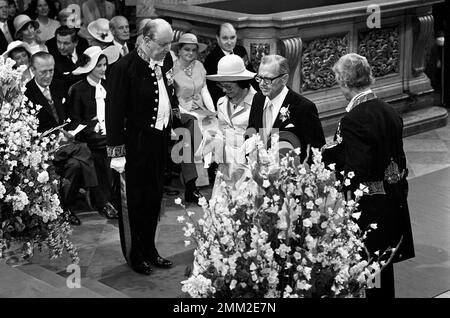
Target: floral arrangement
283,230
30,211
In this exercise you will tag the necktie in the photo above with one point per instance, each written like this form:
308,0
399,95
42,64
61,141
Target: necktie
48,96
100,95
267,121
124,50
6,33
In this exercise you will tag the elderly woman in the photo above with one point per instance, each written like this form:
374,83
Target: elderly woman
369,143
41,10
87,107
233,113
20,52
26,31
195,103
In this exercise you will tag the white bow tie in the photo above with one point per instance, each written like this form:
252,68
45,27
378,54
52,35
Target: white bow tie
154,63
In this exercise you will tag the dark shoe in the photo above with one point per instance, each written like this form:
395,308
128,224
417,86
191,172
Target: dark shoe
192,196
109,211
160,262
142,268
72,218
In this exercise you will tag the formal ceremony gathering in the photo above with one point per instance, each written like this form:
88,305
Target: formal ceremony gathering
224,150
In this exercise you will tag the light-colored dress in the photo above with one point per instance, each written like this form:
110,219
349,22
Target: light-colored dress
47,31
191,90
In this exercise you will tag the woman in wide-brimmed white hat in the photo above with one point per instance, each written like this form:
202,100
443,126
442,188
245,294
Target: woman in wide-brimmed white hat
26,31
20,52
233,111
87,107
99,33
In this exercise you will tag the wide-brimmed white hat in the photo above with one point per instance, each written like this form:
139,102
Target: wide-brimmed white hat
189,38
231,68
16,44
21,20
111,52
99,30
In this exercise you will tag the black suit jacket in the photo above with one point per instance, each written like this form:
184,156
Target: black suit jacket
45,115
3,42
82,108
211,68
371,137
303,116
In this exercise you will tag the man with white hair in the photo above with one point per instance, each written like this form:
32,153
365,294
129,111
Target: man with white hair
140,107
120,29
369,143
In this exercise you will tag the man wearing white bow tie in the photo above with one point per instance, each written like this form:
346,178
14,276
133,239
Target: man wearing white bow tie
140,108
279,107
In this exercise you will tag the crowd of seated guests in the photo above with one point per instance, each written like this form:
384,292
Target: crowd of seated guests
68,52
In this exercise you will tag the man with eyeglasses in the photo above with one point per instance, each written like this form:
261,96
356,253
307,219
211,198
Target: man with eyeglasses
279,107
140,107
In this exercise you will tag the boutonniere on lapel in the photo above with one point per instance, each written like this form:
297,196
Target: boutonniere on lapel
169,76
284,113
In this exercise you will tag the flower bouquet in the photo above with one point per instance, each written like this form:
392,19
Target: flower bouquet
30,211
283,230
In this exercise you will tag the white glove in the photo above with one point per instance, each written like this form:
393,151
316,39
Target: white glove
118,164
249,145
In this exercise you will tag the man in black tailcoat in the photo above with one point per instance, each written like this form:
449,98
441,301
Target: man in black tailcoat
72,160
140,106
279,107
369,143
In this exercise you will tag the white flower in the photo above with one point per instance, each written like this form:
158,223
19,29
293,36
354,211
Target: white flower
347,182
356,215
43,177
374,226
178,201
202,201
307,223
180,219
266,183
310,205
351,174
187,243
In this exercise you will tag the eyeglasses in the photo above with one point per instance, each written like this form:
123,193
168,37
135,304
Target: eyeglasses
267,80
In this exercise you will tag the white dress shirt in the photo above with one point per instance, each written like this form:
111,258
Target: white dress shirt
120,47
164,107
277,102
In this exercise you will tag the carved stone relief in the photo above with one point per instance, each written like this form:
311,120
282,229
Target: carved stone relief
319,56
381,47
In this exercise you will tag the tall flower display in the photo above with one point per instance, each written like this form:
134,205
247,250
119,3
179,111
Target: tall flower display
284,230
30,210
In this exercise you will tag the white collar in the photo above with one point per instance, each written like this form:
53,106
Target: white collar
116,43
352,101
226,53
42,88
91,81
153,63
278,100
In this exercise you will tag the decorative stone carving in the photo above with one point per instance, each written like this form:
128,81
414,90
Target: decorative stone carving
381,47
257,51
145,8
319,56
292,50
424,27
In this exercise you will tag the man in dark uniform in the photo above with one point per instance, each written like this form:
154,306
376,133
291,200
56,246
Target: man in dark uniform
279,107
369,143
139,111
